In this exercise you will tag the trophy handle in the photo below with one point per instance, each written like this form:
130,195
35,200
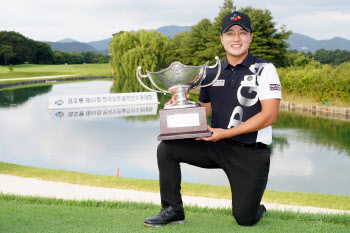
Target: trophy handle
138,75
218,63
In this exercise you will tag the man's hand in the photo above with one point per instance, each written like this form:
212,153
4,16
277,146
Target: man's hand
173,99
267,116
218,134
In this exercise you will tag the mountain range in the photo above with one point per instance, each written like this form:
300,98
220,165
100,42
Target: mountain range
304,43
296,41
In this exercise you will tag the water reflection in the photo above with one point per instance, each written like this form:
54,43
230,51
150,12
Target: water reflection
308,166
309,154
19,96
322,132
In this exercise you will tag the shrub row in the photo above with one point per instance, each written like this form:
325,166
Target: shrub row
318,82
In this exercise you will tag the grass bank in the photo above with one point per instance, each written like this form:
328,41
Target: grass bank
31,70
203,190
32,214
302,99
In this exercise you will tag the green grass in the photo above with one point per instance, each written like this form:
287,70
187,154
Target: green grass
204,190
81,70
32,214
48,83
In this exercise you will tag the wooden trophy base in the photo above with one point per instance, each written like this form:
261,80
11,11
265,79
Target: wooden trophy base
181,123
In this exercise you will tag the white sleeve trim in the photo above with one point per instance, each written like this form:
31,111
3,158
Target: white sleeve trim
269,83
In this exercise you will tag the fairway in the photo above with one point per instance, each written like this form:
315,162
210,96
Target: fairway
80,70
31,214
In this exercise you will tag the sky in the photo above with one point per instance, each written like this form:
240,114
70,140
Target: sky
94,20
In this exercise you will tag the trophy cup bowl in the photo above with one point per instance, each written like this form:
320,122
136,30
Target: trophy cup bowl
179,79
185,119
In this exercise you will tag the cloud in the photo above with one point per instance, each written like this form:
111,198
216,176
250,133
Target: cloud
92,20
95,20
320,24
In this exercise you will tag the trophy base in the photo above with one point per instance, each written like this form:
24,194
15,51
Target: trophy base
183,123
163,137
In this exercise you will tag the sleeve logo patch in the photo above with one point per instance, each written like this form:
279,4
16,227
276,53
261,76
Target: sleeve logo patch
275,87
219,83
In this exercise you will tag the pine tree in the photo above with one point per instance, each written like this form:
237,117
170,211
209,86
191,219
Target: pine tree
7,52
268,43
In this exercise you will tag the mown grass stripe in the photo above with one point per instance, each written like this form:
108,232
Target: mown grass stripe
202,190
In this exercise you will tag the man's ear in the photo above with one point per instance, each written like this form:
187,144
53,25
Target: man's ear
251,37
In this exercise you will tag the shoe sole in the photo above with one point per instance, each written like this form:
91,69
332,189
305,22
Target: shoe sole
161,225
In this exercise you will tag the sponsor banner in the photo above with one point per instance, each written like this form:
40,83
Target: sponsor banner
102,100
103,112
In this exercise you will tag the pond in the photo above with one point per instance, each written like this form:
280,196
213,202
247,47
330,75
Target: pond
309,154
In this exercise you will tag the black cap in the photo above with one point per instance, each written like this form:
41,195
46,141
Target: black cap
238,18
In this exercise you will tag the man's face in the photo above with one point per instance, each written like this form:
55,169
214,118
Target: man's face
236,41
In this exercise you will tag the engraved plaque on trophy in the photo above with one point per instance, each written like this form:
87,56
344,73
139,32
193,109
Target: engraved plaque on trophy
185,119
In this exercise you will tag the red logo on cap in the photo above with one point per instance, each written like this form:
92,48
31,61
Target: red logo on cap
236,17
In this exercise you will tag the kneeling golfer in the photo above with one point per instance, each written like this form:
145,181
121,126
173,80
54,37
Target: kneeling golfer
244,104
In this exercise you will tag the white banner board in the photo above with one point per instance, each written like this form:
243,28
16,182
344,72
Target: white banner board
102,100
103,112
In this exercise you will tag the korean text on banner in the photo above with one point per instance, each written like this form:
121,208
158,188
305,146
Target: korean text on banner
102,100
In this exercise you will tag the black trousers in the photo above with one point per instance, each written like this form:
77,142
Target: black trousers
246,168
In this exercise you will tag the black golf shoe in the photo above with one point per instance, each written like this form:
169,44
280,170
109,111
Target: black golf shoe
262,209
166,216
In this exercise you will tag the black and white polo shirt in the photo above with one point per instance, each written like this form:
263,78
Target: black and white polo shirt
235,96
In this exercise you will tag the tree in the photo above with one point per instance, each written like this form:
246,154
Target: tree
58,57
296,58
76,58
67,58
7,52
25,49
213,44
268,43
43,53
322,56
103,59
180,48
199,41
148,49
17,49
21,46
203,42
90,57
335,57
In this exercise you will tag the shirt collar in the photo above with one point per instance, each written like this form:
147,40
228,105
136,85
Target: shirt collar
224,64
247,62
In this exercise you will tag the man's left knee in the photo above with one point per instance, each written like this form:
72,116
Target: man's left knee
246,219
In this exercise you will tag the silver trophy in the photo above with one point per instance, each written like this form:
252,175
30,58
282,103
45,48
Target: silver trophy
179,79
185,119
